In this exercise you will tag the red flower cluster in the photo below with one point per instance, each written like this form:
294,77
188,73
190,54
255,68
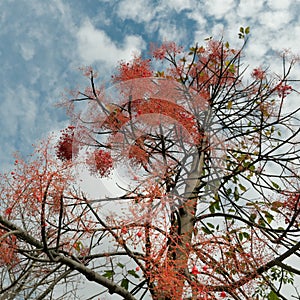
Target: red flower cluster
283,89
137,68
258,74
222,294
7,248
176,113
166,48
66,148
195,270
293,202
115,120
292,207
138,154
103,162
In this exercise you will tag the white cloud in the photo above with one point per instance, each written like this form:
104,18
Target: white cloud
219,8
139,11
289,39
171,32
179,5
27,50
61,7
279,4
249,8
19,110
275,19
95,45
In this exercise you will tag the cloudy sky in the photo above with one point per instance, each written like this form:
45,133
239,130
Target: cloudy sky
43,42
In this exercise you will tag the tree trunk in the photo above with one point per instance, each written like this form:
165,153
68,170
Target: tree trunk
182,233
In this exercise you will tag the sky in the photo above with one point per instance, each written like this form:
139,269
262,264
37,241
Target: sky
44,42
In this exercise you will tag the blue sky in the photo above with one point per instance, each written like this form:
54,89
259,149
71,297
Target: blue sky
43,42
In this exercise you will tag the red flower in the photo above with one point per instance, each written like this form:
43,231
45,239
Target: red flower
292,202
223,294
283,89
137,68
66,148
195,270
124,230
103,162
8,211
166,48
205,268
258,73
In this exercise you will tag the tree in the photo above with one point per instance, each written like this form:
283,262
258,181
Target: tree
211,205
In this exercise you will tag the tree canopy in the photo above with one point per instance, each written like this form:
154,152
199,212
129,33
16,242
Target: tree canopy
206,153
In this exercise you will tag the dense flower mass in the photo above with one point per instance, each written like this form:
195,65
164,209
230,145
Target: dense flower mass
283,89
66,147
7,246
137,68
167,48
102,163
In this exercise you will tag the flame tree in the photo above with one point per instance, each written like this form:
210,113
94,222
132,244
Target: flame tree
211,202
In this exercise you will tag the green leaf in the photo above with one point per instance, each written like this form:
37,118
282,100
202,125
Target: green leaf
273,296
217,205
236,194
242,188
210,225
269,217
246,235
214,206
133,273
241,236
125,283
160,74
275,185
261,222
120,265
241,29
109,274
229,104
206,230
247,30
227,45
251,168
216,197
252,217
231,68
